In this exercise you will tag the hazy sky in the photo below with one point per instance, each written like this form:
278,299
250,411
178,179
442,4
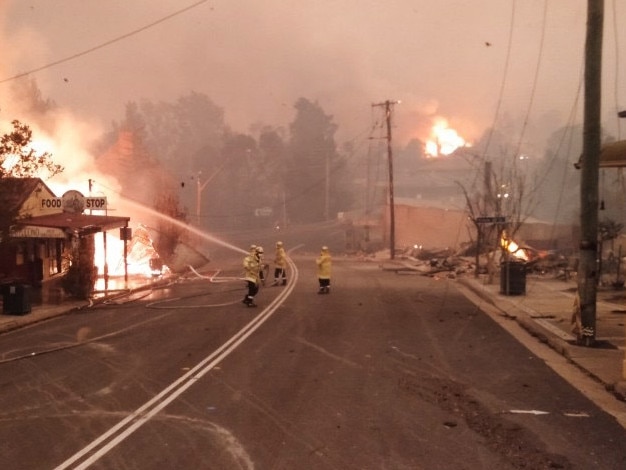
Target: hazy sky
254,58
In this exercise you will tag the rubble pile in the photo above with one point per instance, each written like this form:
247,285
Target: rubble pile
429,263
416,260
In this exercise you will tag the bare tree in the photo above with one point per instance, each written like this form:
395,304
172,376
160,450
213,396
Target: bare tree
497,209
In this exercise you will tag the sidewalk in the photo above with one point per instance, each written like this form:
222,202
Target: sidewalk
48,301
546,312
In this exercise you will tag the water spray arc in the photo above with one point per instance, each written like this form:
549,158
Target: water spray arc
143,208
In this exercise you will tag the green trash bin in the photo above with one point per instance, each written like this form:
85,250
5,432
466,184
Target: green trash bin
16,299
513,278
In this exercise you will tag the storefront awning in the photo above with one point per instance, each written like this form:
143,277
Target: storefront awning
613,155
81,224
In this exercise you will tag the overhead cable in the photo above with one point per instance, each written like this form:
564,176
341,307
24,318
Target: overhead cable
104,44
535,79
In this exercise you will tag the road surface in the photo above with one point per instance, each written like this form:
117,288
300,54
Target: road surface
388,371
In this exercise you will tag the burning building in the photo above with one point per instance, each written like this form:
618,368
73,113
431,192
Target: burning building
48,235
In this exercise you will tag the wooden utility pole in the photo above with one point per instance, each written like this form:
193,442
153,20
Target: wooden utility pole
388,105
588,274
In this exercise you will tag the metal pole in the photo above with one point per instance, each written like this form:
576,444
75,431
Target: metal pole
126,254
198,193
106,264
327,189
590,169
200,186
284,209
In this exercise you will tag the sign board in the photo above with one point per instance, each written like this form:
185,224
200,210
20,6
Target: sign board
491,220
126,233
75,202
263,212
31,231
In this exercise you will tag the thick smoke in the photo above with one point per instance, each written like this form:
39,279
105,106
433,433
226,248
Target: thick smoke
56,128
474,65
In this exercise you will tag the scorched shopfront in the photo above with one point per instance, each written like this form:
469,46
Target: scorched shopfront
49,231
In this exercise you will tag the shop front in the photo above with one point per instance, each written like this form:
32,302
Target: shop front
51,234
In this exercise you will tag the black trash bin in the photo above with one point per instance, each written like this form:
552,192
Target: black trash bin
513,278
16,299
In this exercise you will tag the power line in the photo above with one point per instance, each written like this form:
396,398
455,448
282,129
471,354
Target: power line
535,79
505,73
104,44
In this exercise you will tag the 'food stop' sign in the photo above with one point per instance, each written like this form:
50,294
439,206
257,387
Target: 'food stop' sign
73,201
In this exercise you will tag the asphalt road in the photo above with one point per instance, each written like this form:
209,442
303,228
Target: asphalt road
388,371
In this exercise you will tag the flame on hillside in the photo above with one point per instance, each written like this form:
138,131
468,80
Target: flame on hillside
443,140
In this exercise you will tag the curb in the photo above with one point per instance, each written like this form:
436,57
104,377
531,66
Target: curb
557,341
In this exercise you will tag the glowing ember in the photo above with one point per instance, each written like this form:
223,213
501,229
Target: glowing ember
443,140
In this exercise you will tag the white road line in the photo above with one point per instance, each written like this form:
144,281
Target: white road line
118,433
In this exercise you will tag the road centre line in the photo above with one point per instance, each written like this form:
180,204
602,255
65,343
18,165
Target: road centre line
118,433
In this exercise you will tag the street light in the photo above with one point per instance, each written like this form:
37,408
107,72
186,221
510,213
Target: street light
200,186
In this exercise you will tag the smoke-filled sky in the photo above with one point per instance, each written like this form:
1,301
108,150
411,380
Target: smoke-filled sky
474,63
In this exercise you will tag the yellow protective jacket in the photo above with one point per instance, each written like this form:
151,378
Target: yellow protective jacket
324,265
251,268
280,259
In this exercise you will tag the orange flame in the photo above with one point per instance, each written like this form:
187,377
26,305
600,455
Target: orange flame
513,248
443,140
140,254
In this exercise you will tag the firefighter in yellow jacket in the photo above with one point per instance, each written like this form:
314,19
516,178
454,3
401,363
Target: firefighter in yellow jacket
324,267
280,265
251,266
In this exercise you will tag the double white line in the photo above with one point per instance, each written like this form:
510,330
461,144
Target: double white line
107,441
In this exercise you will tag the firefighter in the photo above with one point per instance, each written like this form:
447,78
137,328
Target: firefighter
324,268
251,267
263,267
280,265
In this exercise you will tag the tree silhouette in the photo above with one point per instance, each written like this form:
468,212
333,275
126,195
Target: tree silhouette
19,160
315,170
